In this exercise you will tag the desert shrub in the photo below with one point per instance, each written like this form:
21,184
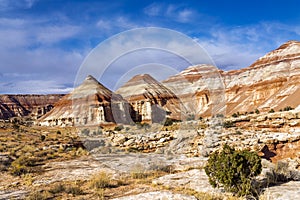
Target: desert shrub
235,115
271,111
74,190
168,122
22,165
220,115
16,126
257,111
161,168
43,137
119,128
57,188
139,172
85,131
58,132
287,108
228,124
233,169
143,125
282,173
238,133
39,195
100,181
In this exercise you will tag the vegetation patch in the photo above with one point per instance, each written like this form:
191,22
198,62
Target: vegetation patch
233,170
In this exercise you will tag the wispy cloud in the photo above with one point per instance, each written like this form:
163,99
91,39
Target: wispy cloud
6,5
117,23
17,33
154,9
31,49
238,47
53,34
173,12
34,87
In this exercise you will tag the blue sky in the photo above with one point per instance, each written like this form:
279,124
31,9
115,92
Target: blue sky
44,42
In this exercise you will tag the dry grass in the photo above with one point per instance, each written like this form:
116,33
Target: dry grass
30,150
101,181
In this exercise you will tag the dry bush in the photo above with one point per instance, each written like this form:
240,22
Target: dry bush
39,195
101,180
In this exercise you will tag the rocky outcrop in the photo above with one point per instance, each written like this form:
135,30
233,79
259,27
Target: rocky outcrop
91,103
151,101
271,82
200,89
141,142
25,105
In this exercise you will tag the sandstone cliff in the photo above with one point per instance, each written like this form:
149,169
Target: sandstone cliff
151,101
91,103
271,82
24,105
200,88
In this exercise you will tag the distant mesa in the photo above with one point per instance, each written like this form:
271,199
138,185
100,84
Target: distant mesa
32,106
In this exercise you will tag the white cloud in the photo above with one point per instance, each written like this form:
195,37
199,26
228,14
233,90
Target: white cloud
118,23
34,87
173,12
31,50
19,33
153,9
228,56
6,5
53,34
104,24
30,3
185,15
238,47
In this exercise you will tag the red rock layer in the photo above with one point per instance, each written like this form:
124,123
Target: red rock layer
24,105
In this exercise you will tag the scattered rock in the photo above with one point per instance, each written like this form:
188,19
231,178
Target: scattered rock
285,191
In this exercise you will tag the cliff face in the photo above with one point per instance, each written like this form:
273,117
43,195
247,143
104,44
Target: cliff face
91,103
271,82
24,105
150,100
200,89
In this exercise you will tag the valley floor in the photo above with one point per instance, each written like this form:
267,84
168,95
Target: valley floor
54,163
